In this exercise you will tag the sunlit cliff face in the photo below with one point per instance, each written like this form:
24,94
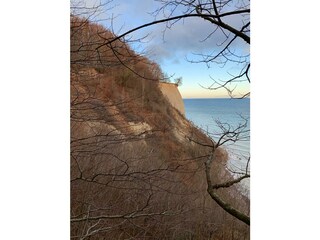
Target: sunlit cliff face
171,92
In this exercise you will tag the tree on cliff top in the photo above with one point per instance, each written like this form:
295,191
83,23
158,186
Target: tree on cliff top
178,81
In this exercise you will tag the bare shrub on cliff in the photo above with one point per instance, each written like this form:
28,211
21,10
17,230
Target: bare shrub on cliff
89,46
113,184
135,180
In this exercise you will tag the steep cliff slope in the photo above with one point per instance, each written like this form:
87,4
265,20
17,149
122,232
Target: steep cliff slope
134,171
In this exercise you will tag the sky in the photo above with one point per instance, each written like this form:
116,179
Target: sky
174,48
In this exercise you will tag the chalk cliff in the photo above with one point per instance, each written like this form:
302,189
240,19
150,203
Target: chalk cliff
171,92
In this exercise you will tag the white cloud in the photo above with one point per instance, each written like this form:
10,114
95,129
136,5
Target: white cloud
187,37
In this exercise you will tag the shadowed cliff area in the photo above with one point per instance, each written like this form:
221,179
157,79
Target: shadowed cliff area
135,174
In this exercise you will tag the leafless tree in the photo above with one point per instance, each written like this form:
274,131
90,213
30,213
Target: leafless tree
229,18
222,16
119,187
228,134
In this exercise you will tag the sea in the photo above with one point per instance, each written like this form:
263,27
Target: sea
231,112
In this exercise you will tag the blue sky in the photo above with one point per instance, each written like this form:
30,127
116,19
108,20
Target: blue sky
172,49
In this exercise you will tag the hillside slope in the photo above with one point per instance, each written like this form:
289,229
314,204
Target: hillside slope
134,171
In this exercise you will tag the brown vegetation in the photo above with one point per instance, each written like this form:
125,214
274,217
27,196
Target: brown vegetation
134,172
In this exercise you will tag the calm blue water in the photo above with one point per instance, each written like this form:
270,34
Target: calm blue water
204,112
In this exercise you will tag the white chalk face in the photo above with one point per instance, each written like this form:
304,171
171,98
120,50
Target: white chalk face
171,92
